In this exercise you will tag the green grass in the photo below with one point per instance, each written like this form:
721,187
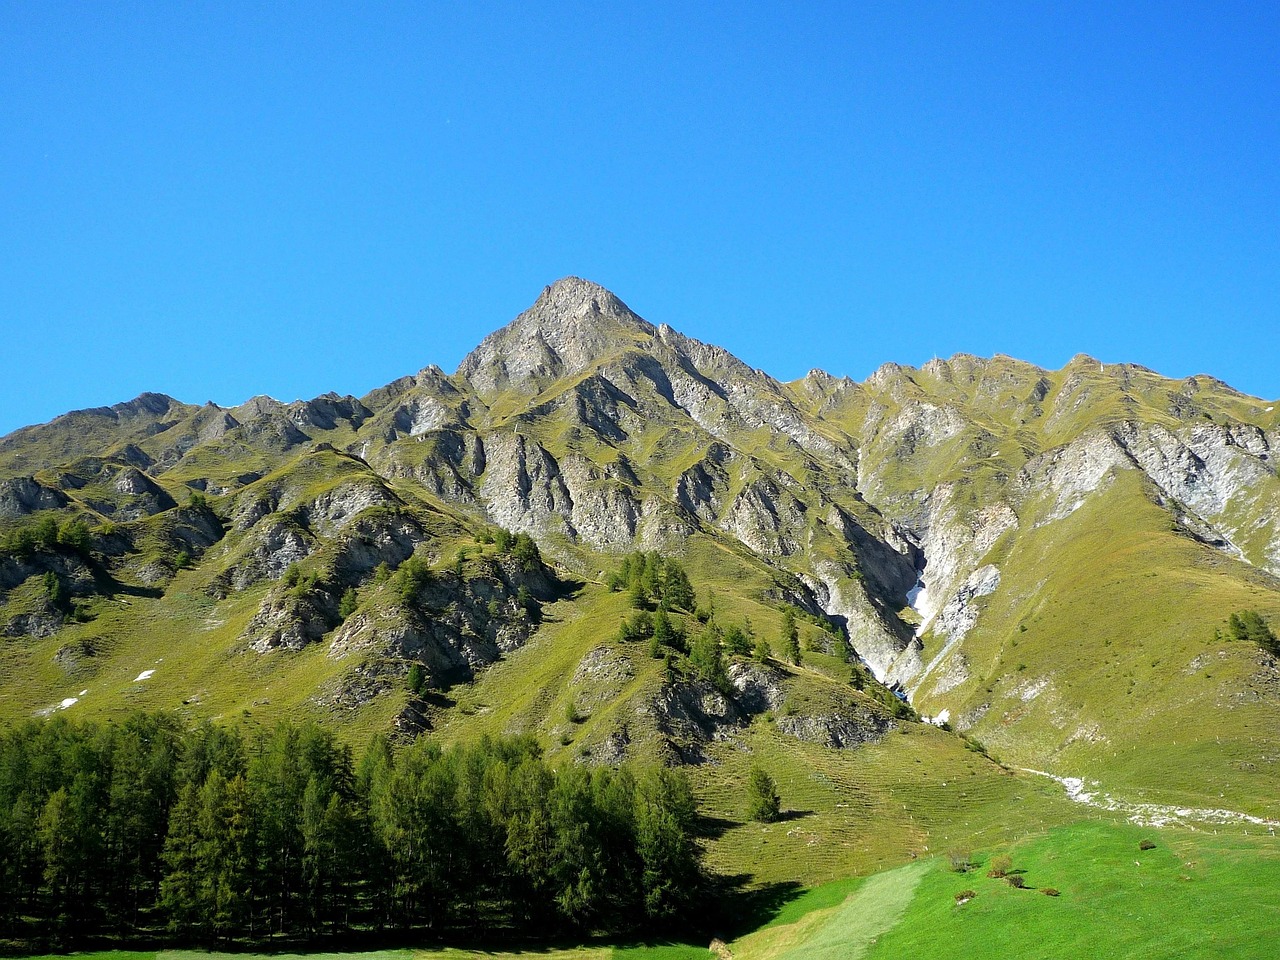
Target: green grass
1194,895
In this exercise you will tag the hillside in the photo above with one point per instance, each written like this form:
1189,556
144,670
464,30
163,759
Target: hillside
1047,560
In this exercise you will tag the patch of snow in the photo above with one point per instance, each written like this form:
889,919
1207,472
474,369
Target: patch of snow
144,675
913,595
1150,814
83,692
944,716
68,702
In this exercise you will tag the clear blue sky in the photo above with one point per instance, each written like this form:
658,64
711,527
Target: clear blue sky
220,199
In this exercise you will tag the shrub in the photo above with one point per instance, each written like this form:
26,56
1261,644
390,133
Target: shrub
960,861
411,577
182,560
53,590
964,896
1000,866
1051,892
1015,880
1147,845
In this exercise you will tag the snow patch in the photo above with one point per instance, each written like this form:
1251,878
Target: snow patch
944,716
144,675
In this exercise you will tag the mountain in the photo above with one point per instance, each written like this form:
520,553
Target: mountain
1046,561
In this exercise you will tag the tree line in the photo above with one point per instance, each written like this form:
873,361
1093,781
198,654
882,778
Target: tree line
146,828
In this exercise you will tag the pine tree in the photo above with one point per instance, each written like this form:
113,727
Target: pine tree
763,802
790,637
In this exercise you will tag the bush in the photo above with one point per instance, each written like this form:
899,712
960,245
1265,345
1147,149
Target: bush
736,642
1147,845
529,604
1000,866
412,576
1051,892
1014,880
53,590
960,860
964,896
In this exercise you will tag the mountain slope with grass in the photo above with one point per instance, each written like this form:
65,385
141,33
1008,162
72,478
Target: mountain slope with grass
1045,561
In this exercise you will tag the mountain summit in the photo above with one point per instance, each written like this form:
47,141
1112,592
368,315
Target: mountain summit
573,323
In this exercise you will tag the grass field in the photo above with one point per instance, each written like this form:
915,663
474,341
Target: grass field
1193,895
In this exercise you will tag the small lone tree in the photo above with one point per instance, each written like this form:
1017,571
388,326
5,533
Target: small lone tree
347,605
790,637
763,802
761,650
417,678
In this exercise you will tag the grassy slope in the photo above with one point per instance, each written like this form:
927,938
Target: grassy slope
1112,618
848,811
1194,895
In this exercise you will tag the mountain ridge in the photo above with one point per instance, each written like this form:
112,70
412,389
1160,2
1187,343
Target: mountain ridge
924,516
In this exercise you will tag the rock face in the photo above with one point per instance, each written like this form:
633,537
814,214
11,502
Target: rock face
23,496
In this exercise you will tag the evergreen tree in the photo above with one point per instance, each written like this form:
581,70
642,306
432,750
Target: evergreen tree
736,642
1248,625
665,819
763,802
706,659
790,637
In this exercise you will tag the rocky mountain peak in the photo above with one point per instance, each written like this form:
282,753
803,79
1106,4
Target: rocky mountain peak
573,323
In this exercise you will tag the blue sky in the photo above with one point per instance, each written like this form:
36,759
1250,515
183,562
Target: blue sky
214,200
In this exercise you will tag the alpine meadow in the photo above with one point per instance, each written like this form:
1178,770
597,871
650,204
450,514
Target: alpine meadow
608,644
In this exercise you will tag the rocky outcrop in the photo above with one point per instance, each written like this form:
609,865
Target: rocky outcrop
454,626
22,496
